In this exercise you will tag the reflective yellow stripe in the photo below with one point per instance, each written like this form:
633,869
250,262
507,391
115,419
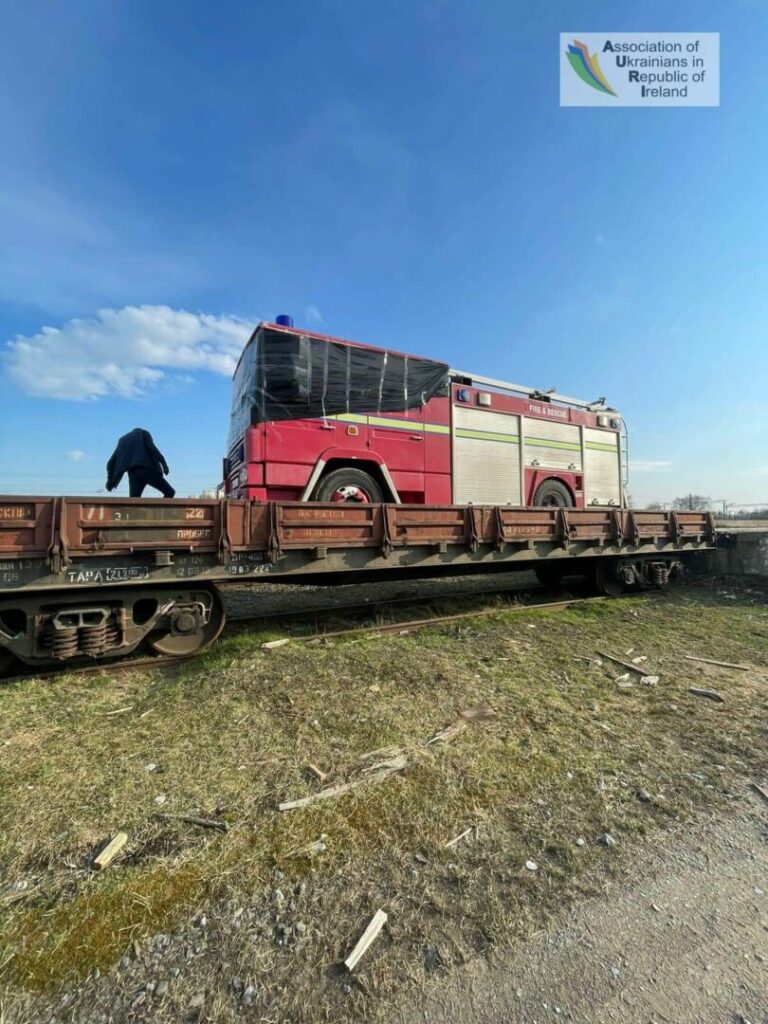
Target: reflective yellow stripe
488,435
483,435
383,421
542,442
349,417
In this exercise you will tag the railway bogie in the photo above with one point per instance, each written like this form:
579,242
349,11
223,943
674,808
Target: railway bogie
45,628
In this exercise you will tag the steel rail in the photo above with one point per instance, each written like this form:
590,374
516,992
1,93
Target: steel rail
409,624
166,661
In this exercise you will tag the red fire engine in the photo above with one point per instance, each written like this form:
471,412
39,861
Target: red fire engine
319,418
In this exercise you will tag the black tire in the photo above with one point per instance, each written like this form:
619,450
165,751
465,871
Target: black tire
7,662
607,577
553,494
333,485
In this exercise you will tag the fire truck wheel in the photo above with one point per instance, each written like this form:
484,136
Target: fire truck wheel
553,494
348,485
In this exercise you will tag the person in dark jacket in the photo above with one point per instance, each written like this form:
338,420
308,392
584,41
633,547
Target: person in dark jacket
137,455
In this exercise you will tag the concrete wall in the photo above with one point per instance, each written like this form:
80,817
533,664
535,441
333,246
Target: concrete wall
743,552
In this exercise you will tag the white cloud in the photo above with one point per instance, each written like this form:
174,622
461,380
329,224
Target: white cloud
313,315
643,466
77,455
123,352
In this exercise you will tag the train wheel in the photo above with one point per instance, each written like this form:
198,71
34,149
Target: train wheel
610,576
187,632
350,486
7,661
553,494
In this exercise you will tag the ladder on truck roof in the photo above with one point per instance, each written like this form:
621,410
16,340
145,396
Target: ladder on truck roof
536,393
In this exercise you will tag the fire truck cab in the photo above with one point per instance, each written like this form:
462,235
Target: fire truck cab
317,418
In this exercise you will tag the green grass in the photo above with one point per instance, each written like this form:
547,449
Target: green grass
232,735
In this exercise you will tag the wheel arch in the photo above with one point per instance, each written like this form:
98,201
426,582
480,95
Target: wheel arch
335,459
564,481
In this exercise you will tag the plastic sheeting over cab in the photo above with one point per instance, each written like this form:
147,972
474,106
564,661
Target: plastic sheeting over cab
285,374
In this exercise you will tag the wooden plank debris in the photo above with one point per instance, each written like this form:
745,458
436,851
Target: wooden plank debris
103,859
119,711
375,925
624,664
722,664
482,713
193,819
457,839
450,732
710,694
270,645
381,752
14,897
396,761
321,776
392,766
760,791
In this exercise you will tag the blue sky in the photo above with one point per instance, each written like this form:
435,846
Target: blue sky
397,172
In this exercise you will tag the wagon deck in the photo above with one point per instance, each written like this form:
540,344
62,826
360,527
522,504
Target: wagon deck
50,541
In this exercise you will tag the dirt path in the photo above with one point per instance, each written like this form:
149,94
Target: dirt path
687,943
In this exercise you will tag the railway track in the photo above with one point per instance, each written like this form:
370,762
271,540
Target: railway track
303,615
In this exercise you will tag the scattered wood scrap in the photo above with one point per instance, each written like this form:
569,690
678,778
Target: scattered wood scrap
270,645
388,768
624,664
457,839
760,791
119,711
192,819
321,776
482,713
698,691
103,859
14,897
722,664
375,925
396,761
381,752
450,732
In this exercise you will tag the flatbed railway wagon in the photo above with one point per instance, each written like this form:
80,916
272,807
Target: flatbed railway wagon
89,579
316,418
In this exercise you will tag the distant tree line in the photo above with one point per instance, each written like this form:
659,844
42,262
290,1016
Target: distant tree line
703,503
685,503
